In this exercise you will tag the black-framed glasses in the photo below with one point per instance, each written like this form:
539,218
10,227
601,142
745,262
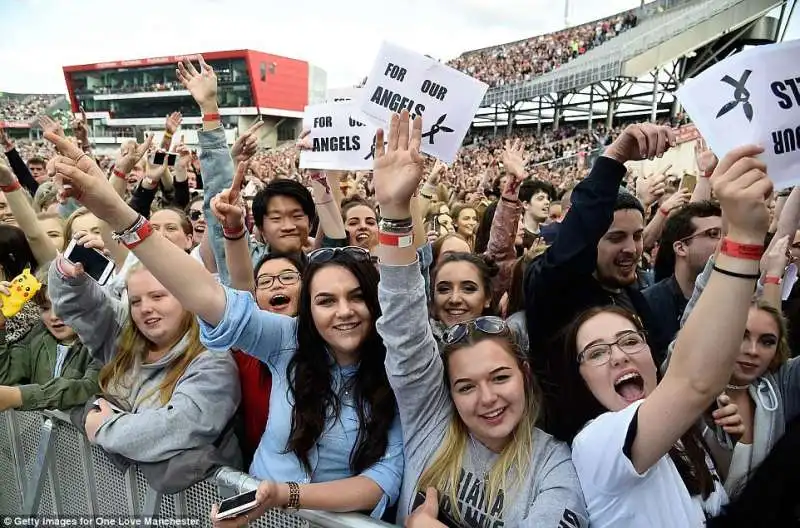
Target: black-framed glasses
489,325
714,233
322,255
287,278
194,215
599,354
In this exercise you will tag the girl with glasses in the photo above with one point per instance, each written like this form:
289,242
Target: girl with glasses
472,449
636,447
333,441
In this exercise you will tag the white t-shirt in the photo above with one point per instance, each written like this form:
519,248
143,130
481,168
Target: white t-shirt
616,495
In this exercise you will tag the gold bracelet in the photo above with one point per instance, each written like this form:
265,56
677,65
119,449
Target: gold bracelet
294,496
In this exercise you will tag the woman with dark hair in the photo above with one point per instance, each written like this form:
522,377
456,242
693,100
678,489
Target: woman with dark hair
461,285
636,447
334,441
15,256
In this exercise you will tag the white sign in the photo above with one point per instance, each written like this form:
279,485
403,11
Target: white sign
339,141
752,97
445,98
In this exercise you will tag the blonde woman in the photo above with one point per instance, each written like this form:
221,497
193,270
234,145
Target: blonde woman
171,393
469,413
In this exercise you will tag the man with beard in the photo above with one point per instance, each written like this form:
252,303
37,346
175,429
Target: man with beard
593,260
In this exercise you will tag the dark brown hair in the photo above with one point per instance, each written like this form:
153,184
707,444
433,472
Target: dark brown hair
576,406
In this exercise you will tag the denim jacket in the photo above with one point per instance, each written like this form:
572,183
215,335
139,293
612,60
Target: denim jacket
272,338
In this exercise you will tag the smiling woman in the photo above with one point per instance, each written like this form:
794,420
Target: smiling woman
468,413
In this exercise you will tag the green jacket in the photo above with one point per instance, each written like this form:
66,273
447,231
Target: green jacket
30,364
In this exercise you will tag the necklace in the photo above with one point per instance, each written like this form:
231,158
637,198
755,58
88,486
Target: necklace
480,468
736,387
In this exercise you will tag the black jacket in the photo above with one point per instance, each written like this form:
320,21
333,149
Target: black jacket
560,284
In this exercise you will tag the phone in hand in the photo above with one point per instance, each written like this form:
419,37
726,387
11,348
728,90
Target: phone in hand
688,182
97,266
237,505
161,157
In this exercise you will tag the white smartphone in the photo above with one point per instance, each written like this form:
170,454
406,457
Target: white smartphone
237,505
96,265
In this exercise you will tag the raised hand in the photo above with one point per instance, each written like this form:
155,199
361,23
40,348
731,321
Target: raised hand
81,178
49,125
304,142
775,260
227,206
398,166
514,163
173,122
246,145
641,141
131,152
649,190
439,168
678,199
6,174
5,141
201,84
706,160
742,187
81,129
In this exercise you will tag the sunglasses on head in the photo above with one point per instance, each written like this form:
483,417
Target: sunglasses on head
194,215
488,325
327,254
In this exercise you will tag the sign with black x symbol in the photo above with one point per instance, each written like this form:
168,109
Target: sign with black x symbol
741,95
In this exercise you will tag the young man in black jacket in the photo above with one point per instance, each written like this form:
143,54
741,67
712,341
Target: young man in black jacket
593,260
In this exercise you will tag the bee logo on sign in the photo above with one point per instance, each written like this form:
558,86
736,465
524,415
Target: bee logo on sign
740,95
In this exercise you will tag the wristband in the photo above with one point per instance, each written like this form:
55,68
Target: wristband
237,232
426,196
741,251
119,174
135,234
12,187
663,212
210,117
396,240
294,496
748,276
237,236
401,226
770,279
169,134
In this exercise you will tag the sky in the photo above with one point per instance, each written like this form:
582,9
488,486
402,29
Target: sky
341,36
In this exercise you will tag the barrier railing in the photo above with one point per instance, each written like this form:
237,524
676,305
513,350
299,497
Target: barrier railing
48,469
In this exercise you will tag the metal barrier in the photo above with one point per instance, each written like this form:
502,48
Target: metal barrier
49,469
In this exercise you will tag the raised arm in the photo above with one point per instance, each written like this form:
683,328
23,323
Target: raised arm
129,155
42,247
706,163
21,170
327,204
413,363
656,225
709,343
229,212
575,250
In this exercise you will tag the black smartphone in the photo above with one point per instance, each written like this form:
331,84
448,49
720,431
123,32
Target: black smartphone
95,264
160,158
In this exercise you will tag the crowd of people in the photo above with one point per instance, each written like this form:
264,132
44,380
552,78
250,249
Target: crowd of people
498,343
525,59
15,107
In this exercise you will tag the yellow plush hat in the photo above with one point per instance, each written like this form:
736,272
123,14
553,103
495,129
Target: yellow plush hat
23,288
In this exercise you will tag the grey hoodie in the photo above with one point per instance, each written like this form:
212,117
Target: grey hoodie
777,401
203,402
551,495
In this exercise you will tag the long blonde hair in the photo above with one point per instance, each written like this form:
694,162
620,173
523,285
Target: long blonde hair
132,344
444,473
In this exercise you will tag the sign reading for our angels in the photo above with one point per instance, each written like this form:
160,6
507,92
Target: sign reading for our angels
752,97
445,98
339,142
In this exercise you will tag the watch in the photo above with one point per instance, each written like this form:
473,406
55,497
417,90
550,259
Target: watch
136,234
